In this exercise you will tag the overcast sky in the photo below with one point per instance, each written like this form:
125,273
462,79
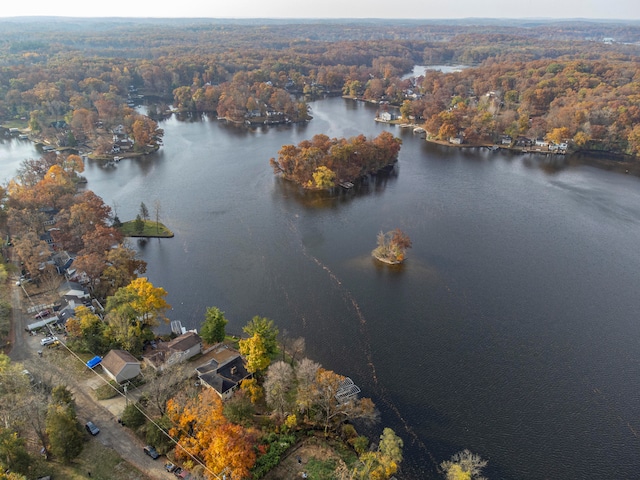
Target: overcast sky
603,9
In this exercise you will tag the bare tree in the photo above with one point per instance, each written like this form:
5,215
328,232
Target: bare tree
298,346
156,209
294,347
464,464
277,387
163,387
306,372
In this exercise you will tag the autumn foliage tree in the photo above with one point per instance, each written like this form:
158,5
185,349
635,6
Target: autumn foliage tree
464,465
202,431
382,463
392,246
329,411
321,162
142,301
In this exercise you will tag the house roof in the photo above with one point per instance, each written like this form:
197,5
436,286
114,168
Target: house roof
73,289
184,342
225,376
116,360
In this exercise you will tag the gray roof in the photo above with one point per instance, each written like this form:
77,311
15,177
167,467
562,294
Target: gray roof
116,360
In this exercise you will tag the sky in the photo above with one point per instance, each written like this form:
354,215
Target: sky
421,9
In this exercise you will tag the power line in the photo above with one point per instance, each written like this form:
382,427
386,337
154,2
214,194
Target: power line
135,404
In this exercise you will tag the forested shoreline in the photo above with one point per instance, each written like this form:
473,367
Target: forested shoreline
73,82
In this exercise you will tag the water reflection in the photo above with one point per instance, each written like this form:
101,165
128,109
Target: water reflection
515,309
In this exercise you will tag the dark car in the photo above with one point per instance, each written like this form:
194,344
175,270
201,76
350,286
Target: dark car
151,451
42,314
91,428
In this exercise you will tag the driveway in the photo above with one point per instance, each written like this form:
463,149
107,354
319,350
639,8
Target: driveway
104,414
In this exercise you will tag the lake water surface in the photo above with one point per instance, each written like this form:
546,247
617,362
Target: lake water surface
511,330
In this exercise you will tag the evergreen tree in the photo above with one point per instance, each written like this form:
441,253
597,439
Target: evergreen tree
144,211
65,433
212,330
139,225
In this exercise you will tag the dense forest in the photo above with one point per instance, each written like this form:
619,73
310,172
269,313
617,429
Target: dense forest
322,162
73,82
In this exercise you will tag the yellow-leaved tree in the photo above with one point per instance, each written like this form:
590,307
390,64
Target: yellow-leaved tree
255,351
142,301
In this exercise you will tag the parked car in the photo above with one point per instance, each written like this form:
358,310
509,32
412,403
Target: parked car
48,341
170,467
92,428
151,451
180,472
28,374
42,314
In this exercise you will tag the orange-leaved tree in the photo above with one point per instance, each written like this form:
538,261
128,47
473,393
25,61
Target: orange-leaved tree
203,432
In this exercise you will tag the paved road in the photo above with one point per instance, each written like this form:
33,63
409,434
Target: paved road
103,413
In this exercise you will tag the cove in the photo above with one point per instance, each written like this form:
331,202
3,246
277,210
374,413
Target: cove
511,329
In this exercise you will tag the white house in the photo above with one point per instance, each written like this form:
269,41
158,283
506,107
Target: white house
386,117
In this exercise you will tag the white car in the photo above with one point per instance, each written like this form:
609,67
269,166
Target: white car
48,341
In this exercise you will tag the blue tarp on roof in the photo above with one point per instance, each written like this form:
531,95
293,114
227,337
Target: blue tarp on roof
94,361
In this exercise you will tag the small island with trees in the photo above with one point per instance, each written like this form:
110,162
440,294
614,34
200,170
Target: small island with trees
142,226
392,247
322,162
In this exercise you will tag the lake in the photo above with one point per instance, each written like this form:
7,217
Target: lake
511,330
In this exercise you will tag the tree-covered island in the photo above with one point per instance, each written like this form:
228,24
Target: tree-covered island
322,162
392,247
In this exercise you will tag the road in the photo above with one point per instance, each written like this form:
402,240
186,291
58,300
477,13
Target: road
104,414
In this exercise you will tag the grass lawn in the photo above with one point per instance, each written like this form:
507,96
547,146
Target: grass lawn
150,229
96,462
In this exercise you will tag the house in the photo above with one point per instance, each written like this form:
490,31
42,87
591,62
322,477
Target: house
69,305
49,214
180,349
541,143
121,366
457,140
224,372
523,141
73,289
47,238
62,260
506,140
386,117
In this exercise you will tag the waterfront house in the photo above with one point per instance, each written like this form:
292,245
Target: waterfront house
224,372
386,117
523,141
180,349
